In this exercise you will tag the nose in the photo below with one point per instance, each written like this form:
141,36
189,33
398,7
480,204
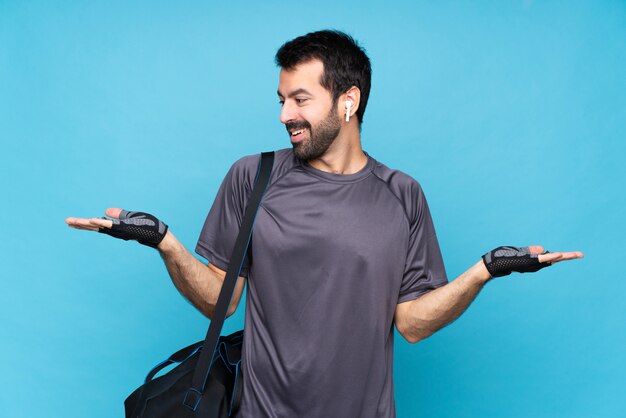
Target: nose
288,112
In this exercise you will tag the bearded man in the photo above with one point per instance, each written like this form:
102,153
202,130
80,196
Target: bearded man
344,249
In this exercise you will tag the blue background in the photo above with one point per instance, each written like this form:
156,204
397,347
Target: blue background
510,114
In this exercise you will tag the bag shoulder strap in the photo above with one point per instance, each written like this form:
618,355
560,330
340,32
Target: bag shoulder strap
203,366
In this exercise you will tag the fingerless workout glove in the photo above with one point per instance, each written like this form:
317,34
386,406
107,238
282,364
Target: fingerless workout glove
139,226
504,260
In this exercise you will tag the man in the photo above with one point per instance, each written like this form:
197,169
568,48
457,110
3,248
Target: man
343,249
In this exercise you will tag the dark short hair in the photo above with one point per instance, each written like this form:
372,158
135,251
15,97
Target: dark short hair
345,62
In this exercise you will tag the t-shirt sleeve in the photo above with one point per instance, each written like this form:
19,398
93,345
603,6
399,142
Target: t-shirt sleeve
424,269
222,224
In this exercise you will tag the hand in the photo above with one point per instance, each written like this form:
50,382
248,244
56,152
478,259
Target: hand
502,261
142,227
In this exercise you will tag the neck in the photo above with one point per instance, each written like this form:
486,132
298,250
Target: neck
345,155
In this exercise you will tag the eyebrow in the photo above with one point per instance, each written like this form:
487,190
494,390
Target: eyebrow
295,93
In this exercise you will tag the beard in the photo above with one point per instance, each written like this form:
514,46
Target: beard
321,138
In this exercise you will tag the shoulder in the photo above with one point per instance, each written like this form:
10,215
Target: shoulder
395,179
404,187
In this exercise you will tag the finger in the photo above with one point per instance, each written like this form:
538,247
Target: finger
559,256
536,249
572,255
85,228
77,222
80,223
113,212
101,223
92,224
549,258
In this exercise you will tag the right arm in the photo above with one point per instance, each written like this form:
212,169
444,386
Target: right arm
199,283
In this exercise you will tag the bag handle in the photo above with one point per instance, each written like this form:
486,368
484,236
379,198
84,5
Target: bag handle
178,357
203,367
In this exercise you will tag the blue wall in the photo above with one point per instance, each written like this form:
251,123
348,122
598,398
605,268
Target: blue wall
510,115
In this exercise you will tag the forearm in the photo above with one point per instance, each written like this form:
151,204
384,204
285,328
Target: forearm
194,280
436,309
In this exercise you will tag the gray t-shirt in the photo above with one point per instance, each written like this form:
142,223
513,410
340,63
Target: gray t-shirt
331,255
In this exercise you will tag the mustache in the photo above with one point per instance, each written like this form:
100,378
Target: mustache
297,125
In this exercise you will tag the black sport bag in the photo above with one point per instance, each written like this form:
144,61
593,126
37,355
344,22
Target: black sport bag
165,395
207,381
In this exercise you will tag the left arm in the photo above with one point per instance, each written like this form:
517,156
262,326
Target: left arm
418,319
422,317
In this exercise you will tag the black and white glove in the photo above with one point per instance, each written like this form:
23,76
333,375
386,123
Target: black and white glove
504,260
139,226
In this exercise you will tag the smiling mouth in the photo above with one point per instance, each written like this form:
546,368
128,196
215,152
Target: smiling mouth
297,134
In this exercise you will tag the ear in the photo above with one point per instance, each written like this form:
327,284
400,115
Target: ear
353,94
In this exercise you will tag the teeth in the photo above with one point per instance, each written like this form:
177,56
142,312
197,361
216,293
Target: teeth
297,132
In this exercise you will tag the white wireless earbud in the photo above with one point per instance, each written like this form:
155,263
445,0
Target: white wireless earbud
348,106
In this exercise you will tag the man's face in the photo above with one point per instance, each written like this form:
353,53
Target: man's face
308,111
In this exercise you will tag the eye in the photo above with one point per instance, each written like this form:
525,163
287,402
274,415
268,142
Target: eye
281,102
300,101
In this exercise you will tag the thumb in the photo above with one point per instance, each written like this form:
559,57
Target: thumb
113,212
